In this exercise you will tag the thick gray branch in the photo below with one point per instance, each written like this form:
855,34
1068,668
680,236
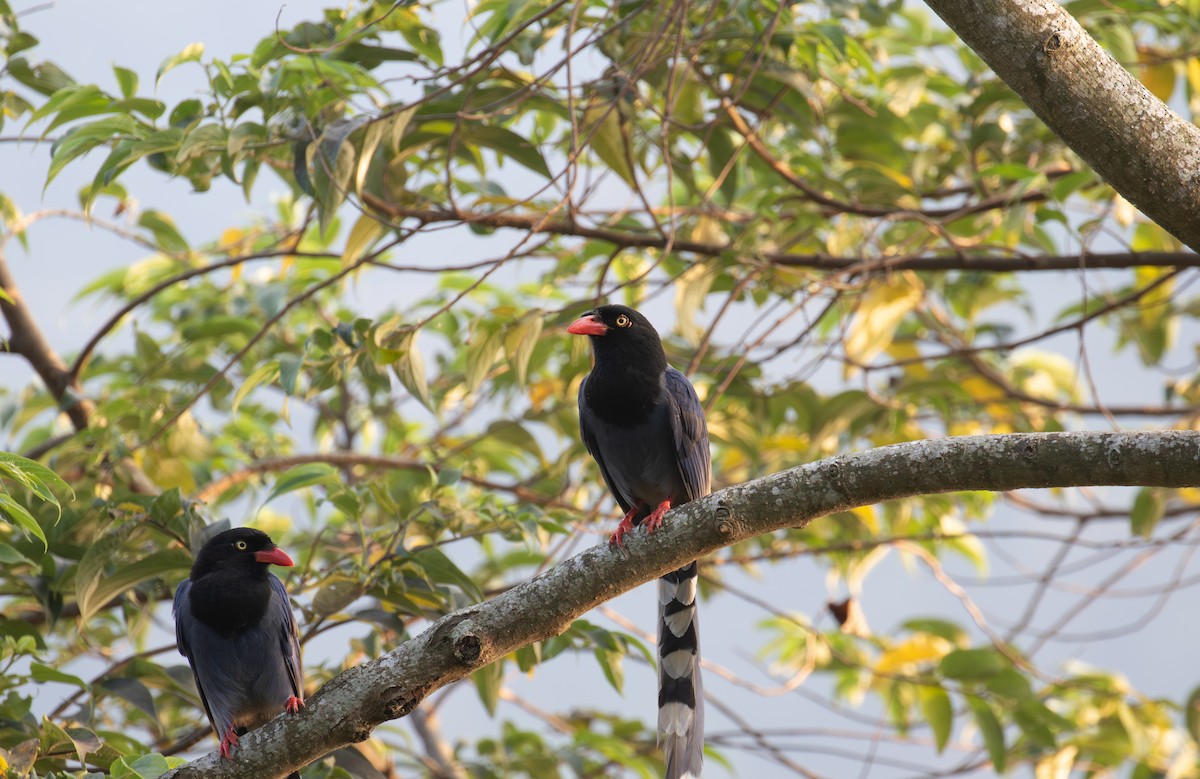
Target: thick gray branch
351,705
1140,146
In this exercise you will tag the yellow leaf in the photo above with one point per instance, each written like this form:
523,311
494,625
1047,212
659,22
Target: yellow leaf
902,351
1123,211
866,515
541,391
1152,306
880,312
1044,374
1189,495
1193,73
362,236
1159,79
271,522
691,287
231,237
920,648
1058,765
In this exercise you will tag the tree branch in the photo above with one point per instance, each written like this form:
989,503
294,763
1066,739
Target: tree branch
27,340
539,223
350,706
1131,138
217,487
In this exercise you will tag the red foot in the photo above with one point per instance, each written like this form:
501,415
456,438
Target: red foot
655,520
293,705
626,525
228,742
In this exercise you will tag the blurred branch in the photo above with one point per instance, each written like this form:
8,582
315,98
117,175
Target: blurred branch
26,339
834,206
425,723
538,223
350,459
353,704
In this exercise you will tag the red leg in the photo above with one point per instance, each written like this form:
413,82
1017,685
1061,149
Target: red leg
293,704
626,525
228,742
655,520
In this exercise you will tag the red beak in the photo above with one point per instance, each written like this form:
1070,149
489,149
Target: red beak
587,325
274,556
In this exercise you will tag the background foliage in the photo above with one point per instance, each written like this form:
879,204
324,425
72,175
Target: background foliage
837,216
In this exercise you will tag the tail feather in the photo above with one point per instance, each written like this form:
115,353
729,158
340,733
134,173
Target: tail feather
680,692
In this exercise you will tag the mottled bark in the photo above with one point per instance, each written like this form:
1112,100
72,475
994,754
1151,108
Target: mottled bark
1146,151
351,705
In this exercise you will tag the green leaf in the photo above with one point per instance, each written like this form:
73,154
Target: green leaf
410,365
481,354
11,556
95,560
127,81
133,691
44,673
610,664
336,595
129,575
973,664
149,766
1010,170
262,374
363,235
1148,508
989,728
439,568
78,141
506,143
938,627
221,327
191,53
936,708
243,134
125,576
332,160
17,513
71,103
162,227
487,683
35,476
607,135
303,476
720,151
519,341
1191,713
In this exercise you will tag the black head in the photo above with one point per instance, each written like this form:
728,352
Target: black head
622,333
242,549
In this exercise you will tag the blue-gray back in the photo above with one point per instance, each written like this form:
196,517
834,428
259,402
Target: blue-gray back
245,676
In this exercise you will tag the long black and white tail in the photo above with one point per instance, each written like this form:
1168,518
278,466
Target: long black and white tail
680,692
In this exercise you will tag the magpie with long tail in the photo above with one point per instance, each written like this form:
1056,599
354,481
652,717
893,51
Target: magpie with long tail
642,422
234,624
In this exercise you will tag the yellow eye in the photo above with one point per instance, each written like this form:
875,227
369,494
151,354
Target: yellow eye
623,321
240,545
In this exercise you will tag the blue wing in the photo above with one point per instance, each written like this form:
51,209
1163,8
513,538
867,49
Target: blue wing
280,613
691,435
184,624
245,676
